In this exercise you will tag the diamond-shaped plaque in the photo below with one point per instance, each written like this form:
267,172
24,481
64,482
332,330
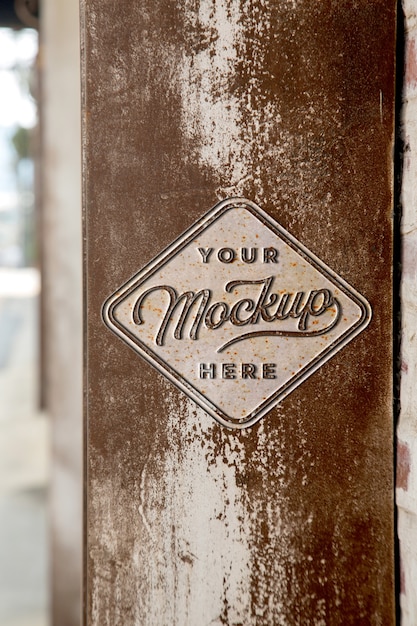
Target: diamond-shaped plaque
236,312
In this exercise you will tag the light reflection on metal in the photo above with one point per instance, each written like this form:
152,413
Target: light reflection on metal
236,312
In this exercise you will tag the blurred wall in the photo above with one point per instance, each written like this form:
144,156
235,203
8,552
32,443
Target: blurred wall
62,283
407,431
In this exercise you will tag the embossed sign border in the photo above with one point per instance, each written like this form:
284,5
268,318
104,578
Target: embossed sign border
175,248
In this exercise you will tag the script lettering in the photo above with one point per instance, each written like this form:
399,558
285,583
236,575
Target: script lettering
198,308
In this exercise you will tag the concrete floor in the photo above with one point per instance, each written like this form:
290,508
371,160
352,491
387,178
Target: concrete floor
23,458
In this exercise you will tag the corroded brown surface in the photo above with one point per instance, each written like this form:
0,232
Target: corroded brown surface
289,104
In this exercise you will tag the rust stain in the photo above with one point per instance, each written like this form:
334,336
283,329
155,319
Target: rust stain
403,465
411,62
289,522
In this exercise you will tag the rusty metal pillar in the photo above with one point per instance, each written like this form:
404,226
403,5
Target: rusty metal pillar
238,181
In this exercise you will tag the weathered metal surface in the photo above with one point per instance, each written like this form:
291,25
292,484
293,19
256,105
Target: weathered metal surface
288,104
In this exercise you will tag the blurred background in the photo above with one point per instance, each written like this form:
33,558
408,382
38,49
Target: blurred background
40,314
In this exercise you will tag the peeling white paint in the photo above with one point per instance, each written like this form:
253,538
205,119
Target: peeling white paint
209,115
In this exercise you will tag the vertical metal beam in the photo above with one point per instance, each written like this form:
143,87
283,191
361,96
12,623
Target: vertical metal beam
291,105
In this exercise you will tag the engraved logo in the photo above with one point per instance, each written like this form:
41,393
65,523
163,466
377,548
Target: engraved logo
236,312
